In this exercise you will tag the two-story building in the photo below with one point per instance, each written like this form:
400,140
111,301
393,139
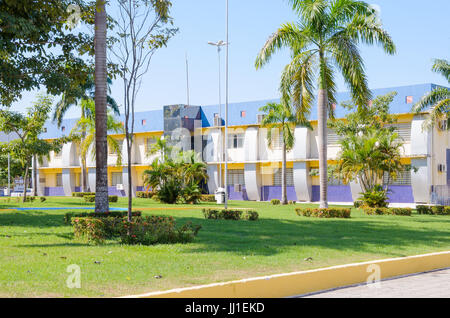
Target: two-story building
254,168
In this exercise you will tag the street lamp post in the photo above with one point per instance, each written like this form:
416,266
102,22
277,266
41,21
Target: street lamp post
226,114
219,45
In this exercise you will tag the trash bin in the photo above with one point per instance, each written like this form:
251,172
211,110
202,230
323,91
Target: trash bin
220,195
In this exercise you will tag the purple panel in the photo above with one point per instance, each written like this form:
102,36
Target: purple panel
401,194
242,196
114,191
274,192
140,188
54,192
336,193
77,189
448,166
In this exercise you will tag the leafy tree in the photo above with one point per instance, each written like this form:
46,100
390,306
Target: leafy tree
27,128
81,98
438,99
143,27
38,48
16,169
325,40
280,119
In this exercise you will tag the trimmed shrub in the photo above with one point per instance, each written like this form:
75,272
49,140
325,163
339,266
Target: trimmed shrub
292,202
91,198
30,199
82,194
141,230
447,210
43,199
113,214
275,201
222,214
357,204
251,215
208,198
113,198
144,194
388,211
438,210
374,198
324,213
424,209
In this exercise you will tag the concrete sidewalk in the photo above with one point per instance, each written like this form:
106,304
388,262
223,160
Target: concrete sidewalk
434,284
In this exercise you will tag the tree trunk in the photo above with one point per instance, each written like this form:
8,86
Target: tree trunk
322,131
101,182
25,184
84,187
130,188
35,182
283,177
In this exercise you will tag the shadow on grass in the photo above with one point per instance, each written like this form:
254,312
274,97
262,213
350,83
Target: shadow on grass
38,219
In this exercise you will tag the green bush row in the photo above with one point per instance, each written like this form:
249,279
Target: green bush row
91,198
275,201
114,214
82,194
141,230
208,198
222,214
388,211
144,194
436,210
324,213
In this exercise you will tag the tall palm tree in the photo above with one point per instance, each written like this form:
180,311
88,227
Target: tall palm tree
325,39
101,181
438,99
84,93
279,117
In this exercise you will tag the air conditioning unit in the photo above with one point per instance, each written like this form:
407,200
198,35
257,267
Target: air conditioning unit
238,188
442,168
119,187
259,119
217,121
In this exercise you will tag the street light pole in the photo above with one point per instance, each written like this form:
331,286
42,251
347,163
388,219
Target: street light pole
9,171
226,115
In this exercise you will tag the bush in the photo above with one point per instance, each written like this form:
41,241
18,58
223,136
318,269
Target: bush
222,214
82,194
169,192
324,213
438,210
208,198
424,209
43,199
141,230
113,214
113,198
357,204
292,202
192,194
275,201
30,199
91,198
251,215
144,194
387,211
374,198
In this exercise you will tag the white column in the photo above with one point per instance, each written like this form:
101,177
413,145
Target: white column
213,181
302,181
133,181
356,190
421,146
68,181
91,179
252,179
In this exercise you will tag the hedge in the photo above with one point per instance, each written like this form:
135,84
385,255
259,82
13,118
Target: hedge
208,198
144,194
114,214
275,201
324,213
388,211
82,194
141,230
222,214
436,210
91,198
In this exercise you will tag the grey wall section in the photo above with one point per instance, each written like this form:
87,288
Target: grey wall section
302,181
91,179
356,190
125,181
40,186
252,178
420,147
213,181
419,181
68,181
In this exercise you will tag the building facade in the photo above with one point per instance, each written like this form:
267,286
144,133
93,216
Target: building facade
254,167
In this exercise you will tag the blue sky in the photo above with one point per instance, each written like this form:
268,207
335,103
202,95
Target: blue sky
420,30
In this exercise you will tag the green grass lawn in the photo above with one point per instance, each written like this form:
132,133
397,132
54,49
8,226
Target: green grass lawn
36,247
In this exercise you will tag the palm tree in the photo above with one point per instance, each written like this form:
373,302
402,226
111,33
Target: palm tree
438,99
280,118
325,39
87,126
86,92
101,131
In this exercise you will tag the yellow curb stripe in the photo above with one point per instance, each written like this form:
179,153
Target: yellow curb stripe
298,283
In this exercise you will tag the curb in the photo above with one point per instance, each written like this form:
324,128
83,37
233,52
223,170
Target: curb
304,282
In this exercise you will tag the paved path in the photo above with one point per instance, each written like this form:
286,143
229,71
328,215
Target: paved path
435,284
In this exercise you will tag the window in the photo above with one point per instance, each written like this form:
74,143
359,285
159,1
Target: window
59,180
403,178
335,181
45,129
243,113
277,140
409,99
116,178
289,177
235,176
216,115
236,141
149,142
403,130
143,122
63,128
333,138
41,180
